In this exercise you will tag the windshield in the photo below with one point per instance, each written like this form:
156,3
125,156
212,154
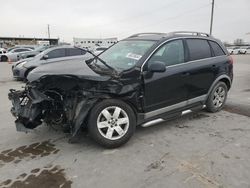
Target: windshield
125,54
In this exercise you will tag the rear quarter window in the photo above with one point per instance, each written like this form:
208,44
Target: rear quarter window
216,49
198,49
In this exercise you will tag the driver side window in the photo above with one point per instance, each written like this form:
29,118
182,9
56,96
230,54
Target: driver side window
171,53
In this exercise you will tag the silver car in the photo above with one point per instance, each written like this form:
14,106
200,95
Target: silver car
13,55
22,68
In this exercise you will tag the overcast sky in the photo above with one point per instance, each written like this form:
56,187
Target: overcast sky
120,18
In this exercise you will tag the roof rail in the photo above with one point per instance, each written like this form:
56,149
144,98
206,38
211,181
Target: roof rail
190,33
141,34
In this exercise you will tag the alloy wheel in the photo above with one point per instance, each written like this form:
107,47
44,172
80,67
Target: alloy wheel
219,97
113,122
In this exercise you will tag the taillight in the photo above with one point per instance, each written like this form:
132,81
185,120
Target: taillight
231,61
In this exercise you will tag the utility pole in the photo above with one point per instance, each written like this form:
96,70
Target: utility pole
48,32
212,18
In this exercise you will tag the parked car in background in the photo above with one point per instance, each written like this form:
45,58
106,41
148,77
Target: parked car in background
22,68
233,50
245,50
14,54
21,46
145,77
99,50
33,53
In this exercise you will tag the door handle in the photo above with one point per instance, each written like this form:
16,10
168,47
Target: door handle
185,74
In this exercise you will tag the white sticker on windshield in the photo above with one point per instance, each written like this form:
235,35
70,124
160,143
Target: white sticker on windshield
133,56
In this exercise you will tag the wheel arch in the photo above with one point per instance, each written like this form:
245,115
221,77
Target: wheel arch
222,78
28,71
132,106
4,56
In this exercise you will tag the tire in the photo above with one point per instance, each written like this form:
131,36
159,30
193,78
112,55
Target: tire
103,123
217,97
4,58
27,73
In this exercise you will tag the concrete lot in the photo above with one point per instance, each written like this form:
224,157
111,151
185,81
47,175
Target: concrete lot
198,150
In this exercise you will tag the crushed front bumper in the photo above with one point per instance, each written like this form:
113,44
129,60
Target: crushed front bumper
27,108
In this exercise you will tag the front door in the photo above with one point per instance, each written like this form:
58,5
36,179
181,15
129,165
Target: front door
162,89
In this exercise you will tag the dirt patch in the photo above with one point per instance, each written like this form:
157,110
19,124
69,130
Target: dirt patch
244,111
198,116
157,165
30,151
48,177
246,90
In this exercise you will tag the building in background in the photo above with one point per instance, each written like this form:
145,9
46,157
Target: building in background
7,42
92,43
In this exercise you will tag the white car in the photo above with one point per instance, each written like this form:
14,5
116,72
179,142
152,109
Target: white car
245,50
233,50
2,51
14,54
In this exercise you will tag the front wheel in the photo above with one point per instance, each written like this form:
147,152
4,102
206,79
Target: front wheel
217,97
111,123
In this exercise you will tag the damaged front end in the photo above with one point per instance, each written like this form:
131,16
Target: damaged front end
27,107
32,107
64,100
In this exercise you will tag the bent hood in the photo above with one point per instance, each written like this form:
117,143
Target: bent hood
76,67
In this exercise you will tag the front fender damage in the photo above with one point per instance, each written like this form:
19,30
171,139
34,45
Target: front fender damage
64,100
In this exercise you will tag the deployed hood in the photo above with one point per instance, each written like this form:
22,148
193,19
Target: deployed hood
76,67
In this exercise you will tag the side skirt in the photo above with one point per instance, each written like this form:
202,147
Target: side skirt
173,111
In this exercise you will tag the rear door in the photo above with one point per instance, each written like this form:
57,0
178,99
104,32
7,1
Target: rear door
202,67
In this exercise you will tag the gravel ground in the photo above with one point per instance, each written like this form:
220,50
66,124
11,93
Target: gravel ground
197,150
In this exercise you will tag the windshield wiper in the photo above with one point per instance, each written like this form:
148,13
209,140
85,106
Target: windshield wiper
97,57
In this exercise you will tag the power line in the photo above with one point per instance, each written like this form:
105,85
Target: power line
169,18
140,15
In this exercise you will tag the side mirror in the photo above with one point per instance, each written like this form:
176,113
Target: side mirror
45,57
157,66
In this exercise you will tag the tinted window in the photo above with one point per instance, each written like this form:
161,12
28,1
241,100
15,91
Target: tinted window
74,52
170,53
56,53
198,49
216,48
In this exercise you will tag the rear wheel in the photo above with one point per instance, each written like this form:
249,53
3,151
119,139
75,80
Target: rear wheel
4,58
217,97
111,123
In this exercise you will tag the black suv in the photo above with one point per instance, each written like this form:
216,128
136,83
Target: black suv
145,77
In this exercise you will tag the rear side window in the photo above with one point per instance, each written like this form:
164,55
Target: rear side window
198,49
74,52
216,49
56,53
